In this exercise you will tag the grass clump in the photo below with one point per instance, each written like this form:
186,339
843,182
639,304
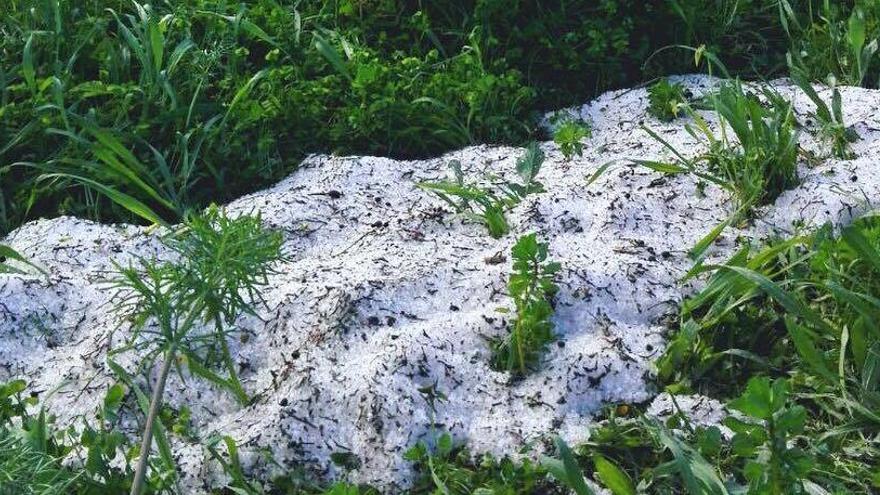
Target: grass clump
673,455
754,169
666,100
40,458
832,128
839,39
449,468
763,163
487,205
532,287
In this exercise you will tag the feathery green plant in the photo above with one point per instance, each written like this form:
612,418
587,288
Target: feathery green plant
488,205
532,287
223,261
666,101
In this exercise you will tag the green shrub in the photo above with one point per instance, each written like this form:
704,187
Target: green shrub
222,263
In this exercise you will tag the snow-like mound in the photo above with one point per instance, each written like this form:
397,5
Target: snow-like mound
386,291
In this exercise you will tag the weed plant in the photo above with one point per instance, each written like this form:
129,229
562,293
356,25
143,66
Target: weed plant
754,168
568,135
487,205
834,39
532,287
804,309
223,261
832,128
666,100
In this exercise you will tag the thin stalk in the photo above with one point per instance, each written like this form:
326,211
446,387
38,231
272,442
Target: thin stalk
147,441
239,392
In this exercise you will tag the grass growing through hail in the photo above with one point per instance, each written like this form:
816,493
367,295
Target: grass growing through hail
787,335
805,312
754,169
7,255
532,287
832,129
488,204
222,263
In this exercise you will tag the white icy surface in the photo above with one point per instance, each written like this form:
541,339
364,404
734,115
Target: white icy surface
387,291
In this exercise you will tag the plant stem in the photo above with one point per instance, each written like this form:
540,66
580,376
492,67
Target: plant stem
147,441
238,390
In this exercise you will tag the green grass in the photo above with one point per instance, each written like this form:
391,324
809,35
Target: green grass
486,201
804,311
129,111
754,168
666,100
832,129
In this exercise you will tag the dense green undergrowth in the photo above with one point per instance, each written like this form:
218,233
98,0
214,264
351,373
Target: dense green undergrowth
172,105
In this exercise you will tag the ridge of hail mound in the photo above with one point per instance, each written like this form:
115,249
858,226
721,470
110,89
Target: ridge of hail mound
387,291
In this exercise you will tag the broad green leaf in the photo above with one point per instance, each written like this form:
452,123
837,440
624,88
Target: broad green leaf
614,478
124,200
243,92
331,55
27,63
808,349
566,469
698,476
